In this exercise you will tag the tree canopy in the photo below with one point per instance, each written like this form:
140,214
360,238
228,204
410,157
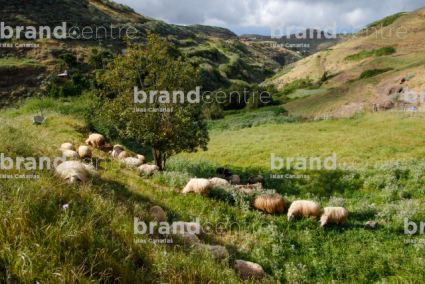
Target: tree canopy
156,66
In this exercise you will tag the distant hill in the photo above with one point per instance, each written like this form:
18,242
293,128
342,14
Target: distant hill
315,39
26,72
374,68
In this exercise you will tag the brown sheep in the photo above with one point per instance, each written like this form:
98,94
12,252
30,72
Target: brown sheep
248,270
256,179
270,203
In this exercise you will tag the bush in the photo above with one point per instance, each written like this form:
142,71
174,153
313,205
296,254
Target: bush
213,111
409,77
68,58
374,72
387,50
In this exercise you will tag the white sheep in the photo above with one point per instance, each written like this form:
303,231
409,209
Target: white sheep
72,171
118,148
219,181
199,185
141,158
67,146
122,155
70,154
114,154
84,152
303,208
336,215
93,173
96,140
148,169
133,162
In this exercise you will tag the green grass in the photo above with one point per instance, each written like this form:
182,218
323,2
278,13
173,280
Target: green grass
364,136
387,50
300,93
92,241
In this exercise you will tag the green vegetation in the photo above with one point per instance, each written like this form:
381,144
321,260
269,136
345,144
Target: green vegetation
387,50
374,72
386,21
178,127
95,221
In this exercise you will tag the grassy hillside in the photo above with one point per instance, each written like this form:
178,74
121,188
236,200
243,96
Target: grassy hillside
26,72
349,59
55,232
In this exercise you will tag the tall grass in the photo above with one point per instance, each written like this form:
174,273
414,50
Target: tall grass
52,232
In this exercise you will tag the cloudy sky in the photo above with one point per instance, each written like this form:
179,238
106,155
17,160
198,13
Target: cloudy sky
255,16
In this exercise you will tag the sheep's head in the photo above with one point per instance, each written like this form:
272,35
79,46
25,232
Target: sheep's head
323,221
290,216
74,180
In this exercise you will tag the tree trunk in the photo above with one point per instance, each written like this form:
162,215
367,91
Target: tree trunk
157,157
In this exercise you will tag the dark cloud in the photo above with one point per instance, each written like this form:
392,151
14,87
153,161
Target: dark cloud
260,13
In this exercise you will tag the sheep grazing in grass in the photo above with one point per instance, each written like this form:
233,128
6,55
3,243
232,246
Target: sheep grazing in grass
219,181
148,169
184,227
198,185
235,179
118,148
67,146
336,215
249,270
72,171
270,203
114,154
223,172
157,214
70,154
93,173
219,253
256,179
141,158
96,140
84,152
122,155
133,162
303,208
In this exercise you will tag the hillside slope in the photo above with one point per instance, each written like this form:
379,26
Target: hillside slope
347,60
27,70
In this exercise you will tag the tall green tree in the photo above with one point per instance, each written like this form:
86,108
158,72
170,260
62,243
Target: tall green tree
153,67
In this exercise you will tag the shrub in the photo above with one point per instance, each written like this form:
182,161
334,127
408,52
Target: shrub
409,77
54,92
387,50
336,202
212,111
395,97
374,72
68,58
364,210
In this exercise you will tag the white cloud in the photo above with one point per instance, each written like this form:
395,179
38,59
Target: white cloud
262,12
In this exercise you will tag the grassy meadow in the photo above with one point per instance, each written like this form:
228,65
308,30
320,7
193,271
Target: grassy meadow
91,240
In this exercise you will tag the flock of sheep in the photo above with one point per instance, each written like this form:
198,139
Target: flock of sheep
274,203
193,232
75,171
